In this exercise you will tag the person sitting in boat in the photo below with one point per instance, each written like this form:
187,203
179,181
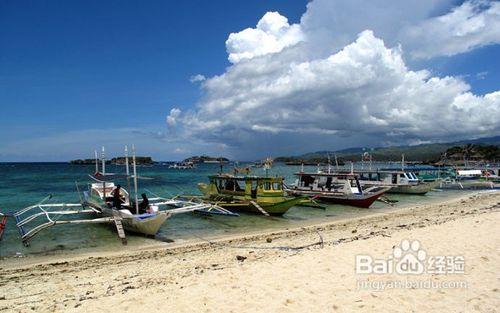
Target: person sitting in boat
117,198
144,205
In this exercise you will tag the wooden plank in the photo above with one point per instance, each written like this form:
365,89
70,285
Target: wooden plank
119,227
259,208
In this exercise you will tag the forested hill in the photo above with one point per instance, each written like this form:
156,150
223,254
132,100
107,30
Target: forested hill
484,149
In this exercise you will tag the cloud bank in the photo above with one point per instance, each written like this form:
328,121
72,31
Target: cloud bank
473,24
328,81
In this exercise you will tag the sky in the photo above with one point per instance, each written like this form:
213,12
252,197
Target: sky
244,79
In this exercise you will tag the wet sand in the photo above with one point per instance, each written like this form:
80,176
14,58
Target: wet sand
309,268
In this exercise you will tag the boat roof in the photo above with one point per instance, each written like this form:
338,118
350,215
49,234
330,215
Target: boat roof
384,170
335,174
245,177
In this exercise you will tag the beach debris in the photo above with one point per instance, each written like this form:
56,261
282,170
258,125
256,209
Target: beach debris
124,290
269,240
241,258
354,231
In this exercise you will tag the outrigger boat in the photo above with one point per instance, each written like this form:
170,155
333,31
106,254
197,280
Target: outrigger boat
95,206
399,181
335,188
255,194
470,178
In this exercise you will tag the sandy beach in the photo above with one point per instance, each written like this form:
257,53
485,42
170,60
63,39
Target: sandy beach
306,269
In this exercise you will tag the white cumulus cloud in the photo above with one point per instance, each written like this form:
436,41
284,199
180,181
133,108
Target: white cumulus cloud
197,78
272,34
173,116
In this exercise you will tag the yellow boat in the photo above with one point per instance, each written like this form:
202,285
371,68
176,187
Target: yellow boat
254,194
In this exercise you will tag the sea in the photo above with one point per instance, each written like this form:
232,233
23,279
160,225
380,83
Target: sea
25,184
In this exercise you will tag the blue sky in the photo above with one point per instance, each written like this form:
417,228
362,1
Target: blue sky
75,75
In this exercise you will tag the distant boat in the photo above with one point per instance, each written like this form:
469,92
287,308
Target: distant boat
182,165
214,161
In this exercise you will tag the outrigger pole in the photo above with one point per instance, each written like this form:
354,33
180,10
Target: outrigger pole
135,180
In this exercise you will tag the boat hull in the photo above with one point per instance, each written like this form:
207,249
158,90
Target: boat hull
361,201
146,224
274,205
352,201
276,209
149,226
419,189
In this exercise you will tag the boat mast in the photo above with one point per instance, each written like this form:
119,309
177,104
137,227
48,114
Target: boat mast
96,162
103,160
267,165
329,163
127,170
135,179
336,162
403,162
126,161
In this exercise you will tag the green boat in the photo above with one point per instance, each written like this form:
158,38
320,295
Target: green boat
255,194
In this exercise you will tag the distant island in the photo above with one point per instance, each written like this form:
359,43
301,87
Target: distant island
140,160
205,159
484,150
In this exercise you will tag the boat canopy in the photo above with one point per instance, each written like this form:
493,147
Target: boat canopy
469,172
246,178
339,175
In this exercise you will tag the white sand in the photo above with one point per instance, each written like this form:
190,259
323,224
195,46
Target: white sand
209,278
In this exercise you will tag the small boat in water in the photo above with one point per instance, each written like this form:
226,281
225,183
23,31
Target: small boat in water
255,194
335,188
100,197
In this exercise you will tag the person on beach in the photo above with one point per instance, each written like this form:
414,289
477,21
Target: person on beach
144,205
117,198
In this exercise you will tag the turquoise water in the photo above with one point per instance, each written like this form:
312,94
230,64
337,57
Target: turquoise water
23,184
